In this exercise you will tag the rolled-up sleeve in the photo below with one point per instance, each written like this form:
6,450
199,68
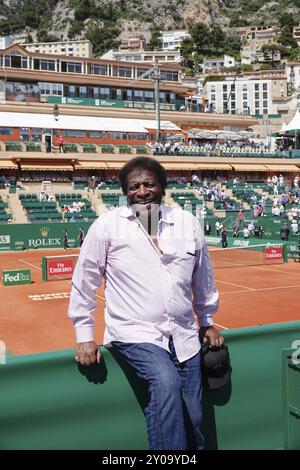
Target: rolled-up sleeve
86,279
205,294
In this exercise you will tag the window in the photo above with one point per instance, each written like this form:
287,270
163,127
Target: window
73,67
244,87
170,76
74,133
71,91
36,135
245,104
257,104
95,134
105,93
213,97
45,89
162,97
24,133
245,96
140,72
256,86
213,88
224,96
83,92
265,86
124,71
47,64
119,94
96,92
265,95
224,87
138,95
57,89
6,131
149,96
256,110
256,95
265,103
98,69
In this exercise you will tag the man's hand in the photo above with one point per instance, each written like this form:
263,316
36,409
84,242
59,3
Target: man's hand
212,336
87,353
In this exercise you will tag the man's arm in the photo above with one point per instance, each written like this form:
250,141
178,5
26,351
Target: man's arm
86,279
205,294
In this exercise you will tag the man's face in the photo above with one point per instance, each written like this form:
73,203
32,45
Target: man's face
143,187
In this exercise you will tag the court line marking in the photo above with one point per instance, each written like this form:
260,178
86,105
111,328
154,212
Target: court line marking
274,270
259,290
70,282
236,285
30,264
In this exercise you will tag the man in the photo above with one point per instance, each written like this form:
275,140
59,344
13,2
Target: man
66,239
61,144
284,232
80,236
157,271
224,239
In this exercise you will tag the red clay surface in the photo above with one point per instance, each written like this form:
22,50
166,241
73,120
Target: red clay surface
249,296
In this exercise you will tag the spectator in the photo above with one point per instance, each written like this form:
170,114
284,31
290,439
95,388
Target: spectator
295,227
240,217
284,232
224,239
92,184
219,227
207,228
61,144
246,232
66,239
80,236
236,231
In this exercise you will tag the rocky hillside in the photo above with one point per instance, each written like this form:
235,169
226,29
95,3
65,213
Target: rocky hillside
105,22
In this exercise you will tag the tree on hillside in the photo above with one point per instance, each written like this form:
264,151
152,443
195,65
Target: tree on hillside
103,38
200,35
155,41
217,37
187,52
269,49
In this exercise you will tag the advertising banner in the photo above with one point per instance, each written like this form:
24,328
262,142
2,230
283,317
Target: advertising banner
16,276
59,268
273,254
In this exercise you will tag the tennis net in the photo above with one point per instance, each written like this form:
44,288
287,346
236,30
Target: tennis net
247,255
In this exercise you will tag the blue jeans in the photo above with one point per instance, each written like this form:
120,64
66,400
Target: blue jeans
173,412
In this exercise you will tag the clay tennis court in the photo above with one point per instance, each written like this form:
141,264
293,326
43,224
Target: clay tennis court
34,318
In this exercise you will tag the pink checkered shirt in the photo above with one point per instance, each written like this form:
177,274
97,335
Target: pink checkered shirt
150,296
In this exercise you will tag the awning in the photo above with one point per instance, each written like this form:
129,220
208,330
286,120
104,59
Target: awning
8,164
45,167
179,166
282,168
114,165
213,166
91,166
245,167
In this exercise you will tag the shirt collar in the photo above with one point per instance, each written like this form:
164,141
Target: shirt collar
166,213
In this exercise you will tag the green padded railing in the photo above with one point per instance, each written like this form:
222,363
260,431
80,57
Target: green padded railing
47,400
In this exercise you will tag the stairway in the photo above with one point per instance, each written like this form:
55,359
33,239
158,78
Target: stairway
16,209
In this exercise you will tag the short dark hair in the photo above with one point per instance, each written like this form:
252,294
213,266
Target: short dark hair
145,163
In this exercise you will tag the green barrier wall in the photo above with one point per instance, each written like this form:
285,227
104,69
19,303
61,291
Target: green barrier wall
31,236
48,402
